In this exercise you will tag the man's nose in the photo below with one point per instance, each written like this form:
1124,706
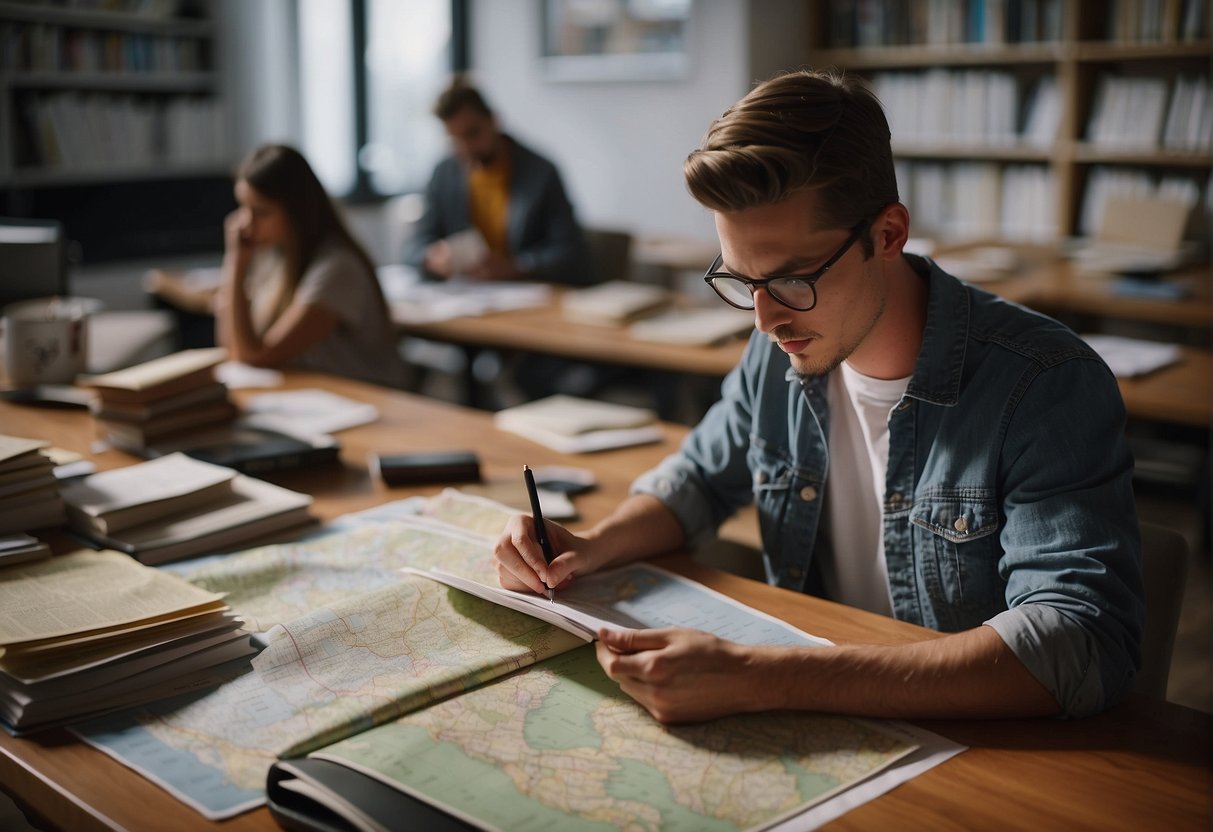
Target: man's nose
768,312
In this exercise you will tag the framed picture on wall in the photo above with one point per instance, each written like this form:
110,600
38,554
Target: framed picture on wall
615,40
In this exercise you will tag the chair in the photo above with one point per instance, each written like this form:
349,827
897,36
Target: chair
610,253
33,259
1164,562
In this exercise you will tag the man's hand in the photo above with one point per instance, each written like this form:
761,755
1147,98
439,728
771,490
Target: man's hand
439,259
679,675
519,558
494,267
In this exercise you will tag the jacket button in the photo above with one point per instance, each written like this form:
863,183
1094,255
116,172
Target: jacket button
808,493
961,525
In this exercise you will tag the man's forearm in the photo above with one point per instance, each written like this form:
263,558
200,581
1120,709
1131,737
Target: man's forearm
965,675
640,527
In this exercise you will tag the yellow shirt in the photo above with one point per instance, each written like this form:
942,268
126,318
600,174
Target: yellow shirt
489,203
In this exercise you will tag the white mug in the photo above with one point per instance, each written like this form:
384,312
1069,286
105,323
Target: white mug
46,340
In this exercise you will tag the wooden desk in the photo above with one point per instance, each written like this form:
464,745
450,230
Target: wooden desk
1052,284
544,329
1141,765
1179,394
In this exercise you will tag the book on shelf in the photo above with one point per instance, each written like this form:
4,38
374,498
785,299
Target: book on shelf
111,501
574,425
90,632
613,302
457,652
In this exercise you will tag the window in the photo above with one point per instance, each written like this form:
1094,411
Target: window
372,71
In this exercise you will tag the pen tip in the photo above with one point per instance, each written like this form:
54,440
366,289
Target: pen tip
551,596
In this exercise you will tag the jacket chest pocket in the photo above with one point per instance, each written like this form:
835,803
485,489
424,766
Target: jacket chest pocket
957,552
788,502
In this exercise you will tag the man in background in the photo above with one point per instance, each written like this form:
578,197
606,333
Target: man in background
495,209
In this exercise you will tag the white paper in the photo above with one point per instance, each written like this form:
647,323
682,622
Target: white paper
1129,357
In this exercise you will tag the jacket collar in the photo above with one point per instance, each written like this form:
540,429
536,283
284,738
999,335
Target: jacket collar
940,365
937,372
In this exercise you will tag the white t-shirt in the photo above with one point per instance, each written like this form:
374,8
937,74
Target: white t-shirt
856,575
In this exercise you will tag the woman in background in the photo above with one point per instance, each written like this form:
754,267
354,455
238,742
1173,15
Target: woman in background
297,290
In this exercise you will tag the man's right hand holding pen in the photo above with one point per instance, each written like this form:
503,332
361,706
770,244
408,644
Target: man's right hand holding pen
642,526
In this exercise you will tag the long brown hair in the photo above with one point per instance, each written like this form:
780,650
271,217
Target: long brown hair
280,173
804,129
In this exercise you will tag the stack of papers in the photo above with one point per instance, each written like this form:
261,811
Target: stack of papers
21,548
91,632
614,302
1129,357
428,302
29,492
572,425
176,507
161,399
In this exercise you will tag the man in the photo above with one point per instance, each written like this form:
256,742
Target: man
511,196
915,447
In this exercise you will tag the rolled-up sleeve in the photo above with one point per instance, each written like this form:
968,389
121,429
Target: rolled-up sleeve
1071,547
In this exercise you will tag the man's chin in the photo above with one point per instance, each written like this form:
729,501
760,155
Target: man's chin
806,368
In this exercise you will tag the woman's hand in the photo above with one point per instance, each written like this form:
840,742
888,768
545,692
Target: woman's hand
238,246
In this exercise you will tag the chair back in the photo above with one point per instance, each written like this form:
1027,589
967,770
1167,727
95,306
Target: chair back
610,253
33,259
1164,566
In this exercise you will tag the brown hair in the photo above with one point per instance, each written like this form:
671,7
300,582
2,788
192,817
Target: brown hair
459,96
804,129
280,173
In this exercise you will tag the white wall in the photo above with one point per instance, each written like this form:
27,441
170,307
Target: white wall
259,63
619,145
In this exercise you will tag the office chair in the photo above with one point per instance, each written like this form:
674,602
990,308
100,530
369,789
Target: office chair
1164,566
33,259
610,253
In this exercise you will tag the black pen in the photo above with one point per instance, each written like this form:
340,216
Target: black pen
541,532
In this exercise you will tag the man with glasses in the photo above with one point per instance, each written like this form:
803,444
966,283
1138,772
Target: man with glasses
915,447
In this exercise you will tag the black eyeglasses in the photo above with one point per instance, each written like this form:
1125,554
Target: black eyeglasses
797,292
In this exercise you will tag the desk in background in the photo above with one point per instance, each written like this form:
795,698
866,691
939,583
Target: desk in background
1179,394
1142,765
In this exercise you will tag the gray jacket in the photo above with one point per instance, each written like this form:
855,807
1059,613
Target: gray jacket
544,237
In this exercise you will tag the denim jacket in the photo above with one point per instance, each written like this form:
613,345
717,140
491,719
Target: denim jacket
1008,497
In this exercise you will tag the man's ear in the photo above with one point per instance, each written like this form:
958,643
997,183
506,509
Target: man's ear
891,231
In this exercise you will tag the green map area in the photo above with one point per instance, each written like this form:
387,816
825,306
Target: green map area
559,747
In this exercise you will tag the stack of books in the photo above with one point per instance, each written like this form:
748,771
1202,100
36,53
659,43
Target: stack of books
161,400
176,507
614,302
572,425
29,492
91,632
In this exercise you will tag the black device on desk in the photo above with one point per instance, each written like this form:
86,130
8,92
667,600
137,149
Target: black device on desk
426,468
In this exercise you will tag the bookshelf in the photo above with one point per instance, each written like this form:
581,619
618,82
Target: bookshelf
1012,119
109,92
